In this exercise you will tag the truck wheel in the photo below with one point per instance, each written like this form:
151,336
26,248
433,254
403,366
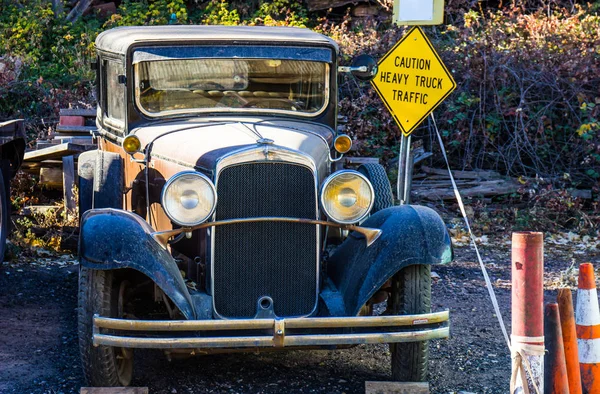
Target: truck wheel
376,174
4,218
411,294
101,293
85,171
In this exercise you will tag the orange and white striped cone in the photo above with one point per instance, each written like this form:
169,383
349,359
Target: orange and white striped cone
569,334
587,320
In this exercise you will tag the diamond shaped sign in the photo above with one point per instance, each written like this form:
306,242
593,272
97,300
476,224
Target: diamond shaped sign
412,80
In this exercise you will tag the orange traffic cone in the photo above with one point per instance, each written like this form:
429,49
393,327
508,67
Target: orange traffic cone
587,319
555,369
569,334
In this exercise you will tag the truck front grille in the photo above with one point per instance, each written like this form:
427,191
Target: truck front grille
273,259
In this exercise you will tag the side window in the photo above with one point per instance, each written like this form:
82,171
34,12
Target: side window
114,97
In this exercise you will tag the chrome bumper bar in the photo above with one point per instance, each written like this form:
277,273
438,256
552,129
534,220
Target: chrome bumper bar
373,329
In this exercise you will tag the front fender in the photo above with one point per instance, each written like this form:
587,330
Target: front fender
411,234
113,239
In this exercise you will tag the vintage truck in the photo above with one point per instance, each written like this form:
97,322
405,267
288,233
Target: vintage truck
212,217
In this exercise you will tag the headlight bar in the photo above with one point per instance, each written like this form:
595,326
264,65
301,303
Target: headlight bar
371,234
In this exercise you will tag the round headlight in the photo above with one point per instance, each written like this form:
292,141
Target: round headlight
347,197
189,198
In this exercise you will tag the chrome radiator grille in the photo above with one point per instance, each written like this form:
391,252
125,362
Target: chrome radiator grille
254,260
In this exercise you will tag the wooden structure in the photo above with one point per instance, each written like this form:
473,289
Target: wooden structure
396,388
114,390
434,184
74,135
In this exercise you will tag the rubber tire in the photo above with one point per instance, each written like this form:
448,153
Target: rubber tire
98,294
86,162
4,217
108,180
376,174
411,294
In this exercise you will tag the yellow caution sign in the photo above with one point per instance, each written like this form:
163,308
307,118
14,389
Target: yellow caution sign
412,80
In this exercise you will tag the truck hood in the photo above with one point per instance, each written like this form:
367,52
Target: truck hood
200,142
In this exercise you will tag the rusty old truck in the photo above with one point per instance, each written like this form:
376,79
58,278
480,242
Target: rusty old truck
214,219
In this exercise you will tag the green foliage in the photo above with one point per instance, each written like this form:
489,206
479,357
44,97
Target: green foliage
50,47
218,12
156,12
282,13
267,13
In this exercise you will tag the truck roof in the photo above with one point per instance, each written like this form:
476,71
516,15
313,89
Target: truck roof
120,39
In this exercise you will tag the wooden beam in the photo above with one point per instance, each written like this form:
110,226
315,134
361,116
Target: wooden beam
396,388
55,152
78,10
12,129
68,174
114,390
88,113
75,129
38,210
51,178
480,174
484,189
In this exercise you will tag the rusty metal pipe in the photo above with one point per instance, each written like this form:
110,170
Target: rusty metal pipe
528,302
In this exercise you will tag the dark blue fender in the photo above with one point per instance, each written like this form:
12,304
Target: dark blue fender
411,234
112,239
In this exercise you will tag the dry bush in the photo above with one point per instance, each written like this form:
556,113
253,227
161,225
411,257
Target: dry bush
526,97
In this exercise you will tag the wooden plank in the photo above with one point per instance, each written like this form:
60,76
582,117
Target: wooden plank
68,175
485,189
12,129
40,164
114,390
55,152
45,144
88,113
78,10
396,388
10,125
79,140
75,129
38,210
51,178
480,174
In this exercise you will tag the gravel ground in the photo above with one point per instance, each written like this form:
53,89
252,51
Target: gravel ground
38,341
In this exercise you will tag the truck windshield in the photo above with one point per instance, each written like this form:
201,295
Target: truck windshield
179,86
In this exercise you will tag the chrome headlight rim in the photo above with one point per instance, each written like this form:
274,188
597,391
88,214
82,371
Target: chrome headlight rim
175,178
330,178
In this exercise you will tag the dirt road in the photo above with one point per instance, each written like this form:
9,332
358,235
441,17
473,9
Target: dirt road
38,342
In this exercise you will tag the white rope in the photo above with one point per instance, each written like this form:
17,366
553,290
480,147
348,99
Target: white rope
522,346
464,214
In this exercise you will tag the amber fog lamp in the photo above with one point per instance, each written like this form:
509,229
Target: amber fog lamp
347,197
343,143
132,144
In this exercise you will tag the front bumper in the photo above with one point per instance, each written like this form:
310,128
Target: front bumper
269,333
